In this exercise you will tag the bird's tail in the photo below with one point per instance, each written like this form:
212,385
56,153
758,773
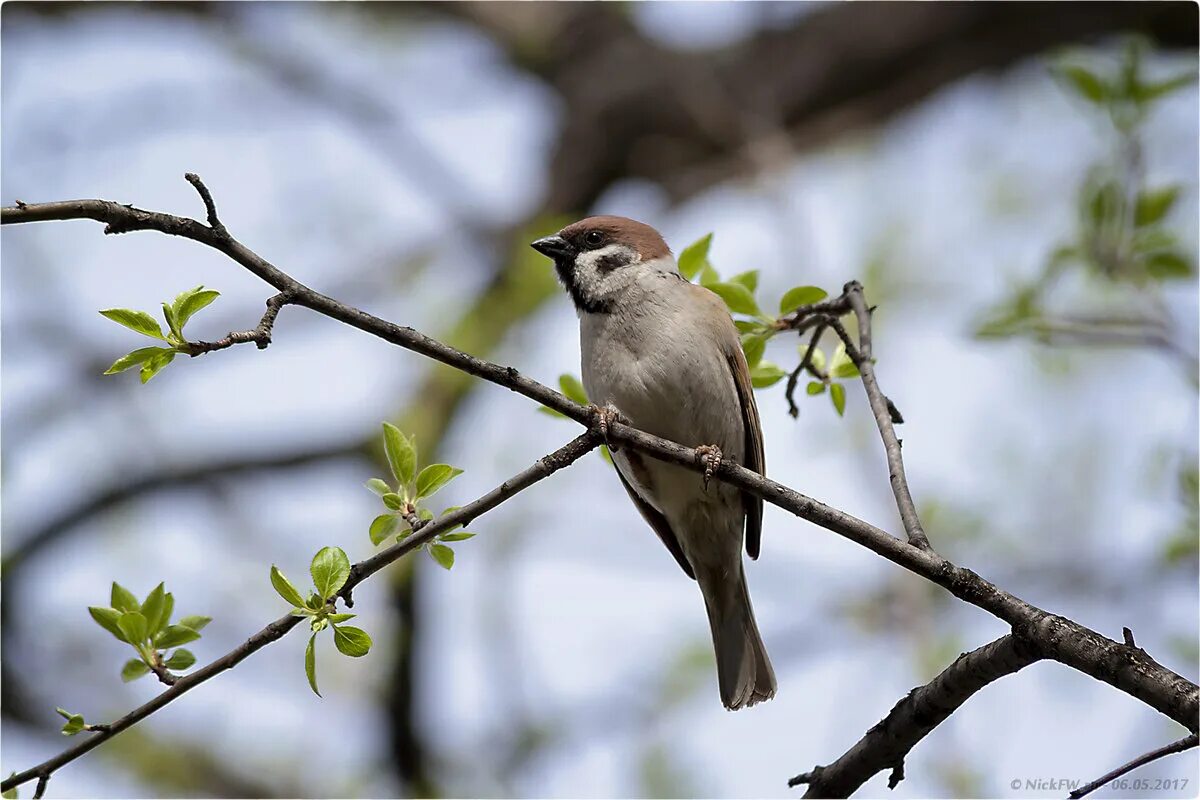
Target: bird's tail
744,671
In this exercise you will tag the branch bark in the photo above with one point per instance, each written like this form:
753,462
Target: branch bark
887,744
1126,668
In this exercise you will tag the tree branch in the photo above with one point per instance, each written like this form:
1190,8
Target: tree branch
1186,743
888,743
1128,669
542,468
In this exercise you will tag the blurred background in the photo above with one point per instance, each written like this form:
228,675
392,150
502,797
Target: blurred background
1038,335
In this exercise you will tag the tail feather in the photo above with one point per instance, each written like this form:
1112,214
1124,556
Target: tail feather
744,672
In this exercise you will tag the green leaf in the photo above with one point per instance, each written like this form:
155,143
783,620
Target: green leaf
551,412
152,366
1153,205
152,609
134,358
745,326
765,374
747,279
1086,83
134,668
378,486
800,296
442,555
382,527
815,387
176,635
393,501
837,393
285,588
338,619
845,370
425,514
168,610
401,454
195,621
1168,265
694,256
133,626
606,455
434,477
169,316
107,618
181,659
310,664
74,724
193,302
842,366
1153,91
461,536
122,599
11,794
330,568
138,321
315,602
754,347
572,388
351,641
736,297
708,275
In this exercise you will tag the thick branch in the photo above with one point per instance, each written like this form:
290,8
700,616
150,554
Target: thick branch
1063,640
542,468
887,744
1186,743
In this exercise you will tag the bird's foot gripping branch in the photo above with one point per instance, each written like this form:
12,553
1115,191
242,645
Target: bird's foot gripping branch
405,526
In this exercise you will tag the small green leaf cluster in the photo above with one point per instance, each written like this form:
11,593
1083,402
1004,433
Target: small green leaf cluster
755,327
403,502
177,314
1120,221
840,366
1121,235
330,569
73,725
147,628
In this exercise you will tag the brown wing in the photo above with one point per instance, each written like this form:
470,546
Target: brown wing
659,523
755,461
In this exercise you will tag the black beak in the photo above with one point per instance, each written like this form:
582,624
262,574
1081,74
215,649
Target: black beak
555,246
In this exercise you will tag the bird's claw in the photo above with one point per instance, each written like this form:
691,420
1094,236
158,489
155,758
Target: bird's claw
606,415
710,456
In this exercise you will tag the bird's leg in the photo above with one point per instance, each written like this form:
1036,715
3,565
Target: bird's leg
710,456
607,415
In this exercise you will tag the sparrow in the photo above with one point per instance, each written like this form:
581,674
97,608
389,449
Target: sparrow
663,355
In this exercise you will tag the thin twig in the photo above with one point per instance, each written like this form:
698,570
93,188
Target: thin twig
40,791
542,468
261,335
887,743
883,418
805,363
210,207
1186,743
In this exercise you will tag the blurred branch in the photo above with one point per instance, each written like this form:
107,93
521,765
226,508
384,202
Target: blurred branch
542,468
1186,743
92,506
705,116
1128,669
888,743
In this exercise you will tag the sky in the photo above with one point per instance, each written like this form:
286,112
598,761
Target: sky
564,609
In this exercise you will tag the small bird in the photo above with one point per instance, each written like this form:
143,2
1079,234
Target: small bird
663,355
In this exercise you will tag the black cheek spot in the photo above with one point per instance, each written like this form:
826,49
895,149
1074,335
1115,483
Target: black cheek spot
612,261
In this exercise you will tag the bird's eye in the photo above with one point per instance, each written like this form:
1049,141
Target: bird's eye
593,238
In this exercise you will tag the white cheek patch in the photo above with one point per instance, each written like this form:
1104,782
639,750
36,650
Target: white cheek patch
592,260
594,270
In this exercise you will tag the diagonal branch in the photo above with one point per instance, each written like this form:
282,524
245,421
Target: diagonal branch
1128,669
542,468
1186,743
886,745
